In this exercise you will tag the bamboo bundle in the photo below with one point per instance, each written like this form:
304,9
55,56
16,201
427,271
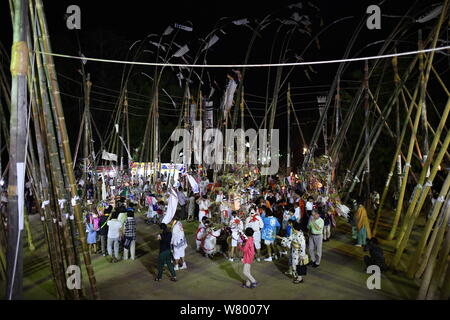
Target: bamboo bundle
433,267
58,114
415,265
19,67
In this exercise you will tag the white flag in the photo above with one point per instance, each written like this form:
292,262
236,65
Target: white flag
430,15
193,183
181,51
109,156
158,45
211,42
185,28
295,16
171,207
168,31
240,22
295,5
229,94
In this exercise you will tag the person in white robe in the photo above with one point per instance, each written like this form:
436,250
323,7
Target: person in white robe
179,245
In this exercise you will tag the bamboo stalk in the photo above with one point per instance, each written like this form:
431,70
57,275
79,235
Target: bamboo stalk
19,67
441,265
414,210
438,234
66,148
414,263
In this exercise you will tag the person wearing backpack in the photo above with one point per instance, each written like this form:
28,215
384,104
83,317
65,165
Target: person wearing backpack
103,229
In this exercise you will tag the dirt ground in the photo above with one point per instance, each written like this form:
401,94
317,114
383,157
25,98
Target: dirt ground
341,274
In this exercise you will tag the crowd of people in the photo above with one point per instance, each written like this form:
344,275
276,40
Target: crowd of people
238,217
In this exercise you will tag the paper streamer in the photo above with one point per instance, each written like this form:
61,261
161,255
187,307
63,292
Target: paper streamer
74,201
193,183
171,207
61,203
45,203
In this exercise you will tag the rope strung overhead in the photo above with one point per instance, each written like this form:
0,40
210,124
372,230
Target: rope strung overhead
249,65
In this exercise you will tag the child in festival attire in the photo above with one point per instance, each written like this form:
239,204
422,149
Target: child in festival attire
203,204
201,232
236,227
91,228
210,240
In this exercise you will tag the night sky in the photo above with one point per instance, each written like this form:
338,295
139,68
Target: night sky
108,29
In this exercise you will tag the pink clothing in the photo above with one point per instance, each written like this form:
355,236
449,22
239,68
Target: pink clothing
249,251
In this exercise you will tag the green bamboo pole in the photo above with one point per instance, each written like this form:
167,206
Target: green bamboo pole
407,225
405,175
445,288
414,210
397,151
66,148
439,271
414,263
65,239
47,216
438,234
19,67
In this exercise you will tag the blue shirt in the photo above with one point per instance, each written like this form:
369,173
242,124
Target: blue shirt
269,231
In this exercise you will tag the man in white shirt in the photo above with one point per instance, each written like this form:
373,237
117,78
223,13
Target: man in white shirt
114,227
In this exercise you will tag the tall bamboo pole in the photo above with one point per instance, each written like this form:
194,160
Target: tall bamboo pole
398,149
288,153
366,128
405,175
19,67
438,234
66,148
414,263
416,202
